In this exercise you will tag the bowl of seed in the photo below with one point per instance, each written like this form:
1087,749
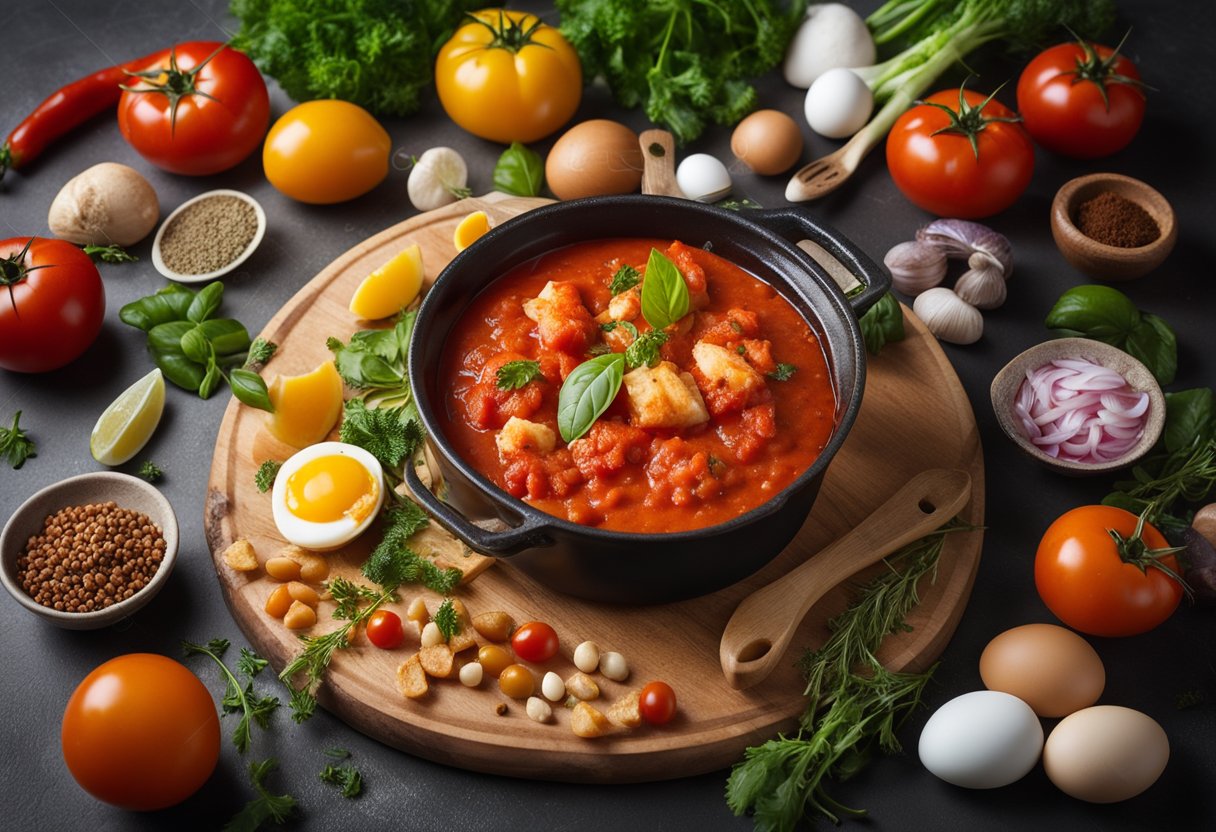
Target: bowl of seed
1112,227
90,550
208,236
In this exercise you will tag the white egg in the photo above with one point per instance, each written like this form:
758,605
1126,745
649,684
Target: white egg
703,178
981,740
326,495
838,104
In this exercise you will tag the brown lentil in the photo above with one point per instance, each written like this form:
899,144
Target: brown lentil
90,557
1114,220
208,235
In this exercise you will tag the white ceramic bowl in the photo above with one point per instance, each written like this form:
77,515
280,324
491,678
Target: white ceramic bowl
159,262
103,486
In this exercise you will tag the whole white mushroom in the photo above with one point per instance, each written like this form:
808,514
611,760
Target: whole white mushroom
831,36
108,204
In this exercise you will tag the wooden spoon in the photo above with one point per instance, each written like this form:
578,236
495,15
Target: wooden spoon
759,632
659,164
824,175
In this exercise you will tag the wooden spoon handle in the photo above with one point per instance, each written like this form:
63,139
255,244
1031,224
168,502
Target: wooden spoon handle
659,164
759,632
826,174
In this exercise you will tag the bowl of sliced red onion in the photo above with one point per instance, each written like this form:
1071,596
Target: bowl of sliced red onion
1079,406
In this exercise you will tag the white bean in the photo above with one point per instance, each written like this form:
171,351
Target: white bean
470,674
538,709
431,635
553,687
587,656
614,667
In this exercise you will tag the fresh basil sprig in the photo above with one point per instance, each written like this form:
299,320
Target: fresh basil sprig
587,393
194,349
1107,315
664,292
881,324
520,171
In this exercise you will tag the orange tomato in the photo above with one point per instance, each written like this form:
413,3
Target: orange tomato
324,152
141,732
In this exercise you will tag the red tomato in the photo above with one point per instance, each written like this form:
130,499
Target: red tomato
1094,584
198,112
657,703
141,732
51,303
535,641
945,173
384,630
1081,100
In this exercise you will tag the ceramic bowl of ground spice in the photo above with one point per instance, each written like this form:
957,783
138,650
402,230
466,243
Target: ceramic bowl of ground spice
1112,227
90,550
208,236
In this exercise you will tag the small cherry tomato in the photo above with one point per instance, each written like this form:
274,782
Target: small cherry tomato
657,703
141,732
535,641
323,152
1103,571
516,681
384,630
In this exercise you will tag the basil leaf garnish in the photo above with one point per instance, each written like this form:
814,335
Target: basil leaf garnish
664,292
520,171
587,393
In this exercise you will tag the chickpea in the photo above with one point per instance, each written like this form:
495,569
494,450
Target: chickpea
279,602
283,569
494,659
495,626
516,681
303,593
299,616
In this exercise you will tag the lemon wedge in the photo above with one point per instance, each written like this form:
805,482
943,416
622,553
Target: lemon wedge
390,288
306,407
129,422
470,228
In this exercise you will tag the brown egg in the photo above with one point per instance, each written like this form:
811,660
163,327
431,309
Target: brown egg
767,141
1050,668
1105,754
593,158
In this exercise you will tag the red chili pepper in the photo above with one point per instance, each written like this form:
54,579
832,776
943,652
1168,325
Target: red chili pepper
67,108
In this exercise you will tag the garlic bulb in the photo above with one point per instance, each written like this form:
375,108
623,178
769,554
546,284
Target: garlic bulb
960,239
915,267
438,178
983,287
949,317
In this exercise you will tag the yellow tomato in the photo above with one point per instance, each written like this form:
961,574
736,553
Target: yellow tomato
326,151
507,77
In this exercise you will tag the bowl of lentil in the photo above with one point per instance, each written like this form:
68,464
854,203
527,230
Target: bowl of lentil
1112,227
90,550
208,236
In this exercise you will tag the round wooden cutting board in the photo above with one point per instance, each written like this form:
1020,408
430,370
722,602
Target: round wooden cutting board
915,415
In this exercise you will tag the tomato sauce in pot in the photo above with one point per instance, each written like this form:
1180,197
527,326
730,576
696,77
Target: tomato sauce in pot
738,404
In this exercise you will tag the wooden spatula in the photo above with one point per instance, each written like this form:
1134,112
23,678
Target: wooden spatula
659,164
759,632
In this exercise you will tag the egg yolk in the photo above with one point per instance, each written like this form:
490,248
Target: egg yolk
329,488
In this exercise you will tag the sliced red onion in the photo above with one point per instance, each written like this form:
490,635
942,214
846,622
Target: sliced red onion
1078,410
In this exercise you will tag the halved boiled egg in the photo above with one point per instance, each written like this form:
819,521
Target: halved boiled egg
327,495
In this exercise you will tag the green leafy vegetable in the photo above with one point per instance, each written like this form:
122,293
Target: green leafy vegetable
378,54
645,349
783,372
625,278
15,446
587,392
881,324
110,254
384,432
239,698
149,471
1105,314
516,374
248,387
260,351
626,325
447,620
520,171
664,292
167,304
264,807
852,702
375,362
347,778
267,471
686,61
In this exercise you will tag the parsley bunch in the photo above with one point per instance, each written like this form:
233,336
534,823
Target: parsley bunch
239,698
15,446
264,807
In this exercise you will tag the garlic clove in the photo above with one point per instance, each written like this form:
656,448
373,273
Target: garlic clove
915,267
982,288
960,239
949,317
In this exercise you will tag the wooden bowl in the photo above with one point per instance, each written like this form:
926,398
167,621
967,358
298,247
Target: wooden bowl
1100,261
103,486
1005,389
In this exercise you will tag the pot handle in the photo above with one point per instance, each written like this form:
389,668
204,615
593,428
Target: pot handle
529,534
859,277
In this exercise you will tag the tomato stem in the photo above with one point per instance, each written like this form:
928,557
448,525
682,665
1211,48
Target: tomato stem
13,270
6,159
969,121
1100,71
512,35
177,84
1135,551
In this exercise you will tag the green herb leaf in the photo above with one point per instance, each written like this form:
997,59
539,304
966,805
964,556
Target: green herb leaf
195,345
627,325
447,620
587,392
211,379
260,352
267,471
664,292
110,254
266,806
238,698
15,446
227,336
250,389
645,351
204,304
882,324
168,304
1153,342
381,432
626,278
1190,419
347,778
516,374
783,372
149,471
1093,311
520,171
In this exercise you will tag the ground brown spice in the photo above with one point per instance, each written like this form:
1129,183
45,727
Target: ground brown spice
1114,220
208,235
89,557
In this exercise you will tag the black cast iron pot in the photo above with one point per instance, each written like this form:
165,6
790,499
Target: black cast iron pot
620,567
